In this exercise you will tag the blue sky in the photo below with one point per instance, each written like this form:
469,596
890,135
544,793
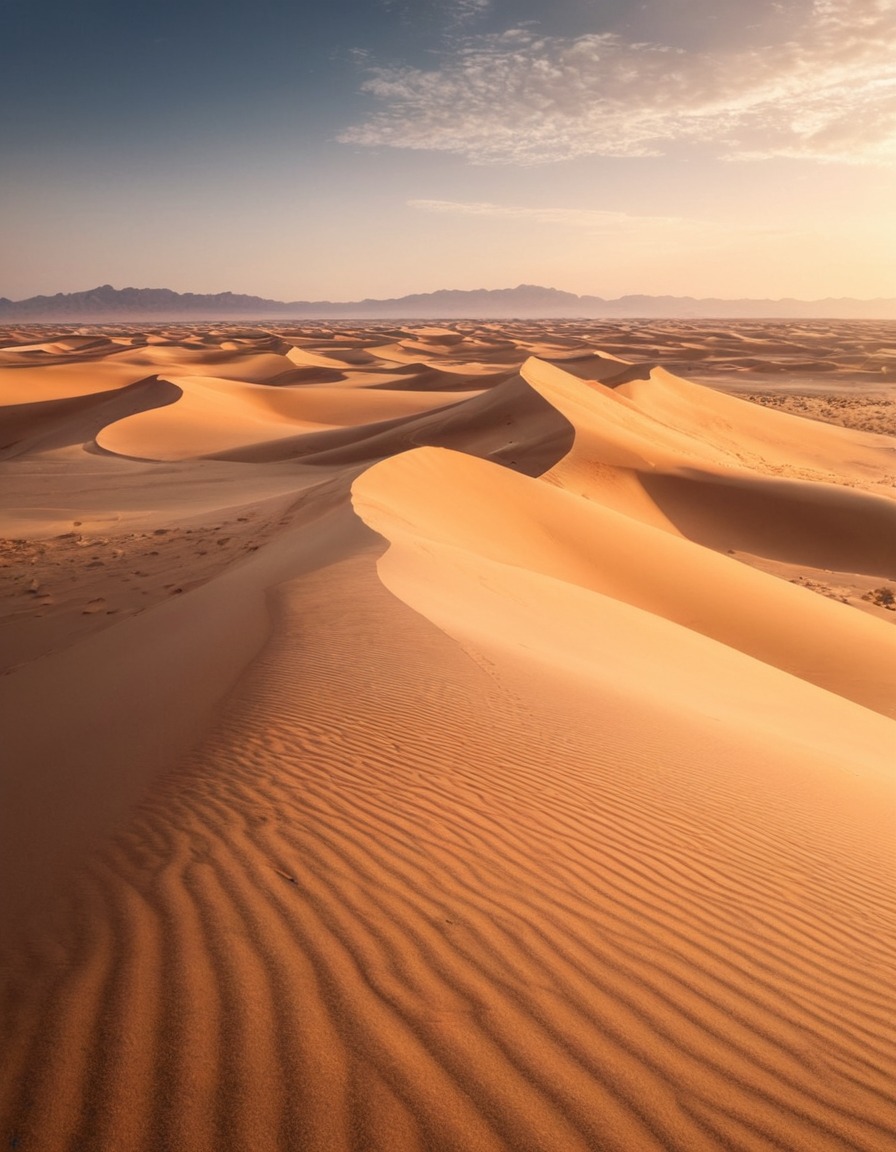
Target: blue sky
347,149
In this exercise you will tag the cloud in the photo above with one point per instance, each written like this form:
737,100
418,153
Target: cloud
470,9
451,12
517,97
593,219
653,231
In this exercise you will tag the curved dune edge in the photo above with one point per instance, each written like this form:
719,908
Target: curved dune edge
433,499
49,425
715,469
665,423
214,415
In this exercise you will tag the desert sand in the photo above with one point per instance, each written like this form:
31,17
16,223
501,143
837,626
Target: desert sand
472,736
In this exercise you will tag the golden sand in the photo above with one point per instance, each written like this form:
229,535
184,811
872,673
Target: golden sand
456,737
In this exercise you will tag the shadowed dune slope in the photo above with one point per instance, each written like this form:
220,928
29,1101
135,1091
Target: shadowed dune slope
822,525
689,473
49,425
510,424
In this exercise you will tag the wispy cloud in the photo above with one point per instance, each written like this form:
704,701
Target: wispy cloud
652,230
451,12
469,9
590,218
516,97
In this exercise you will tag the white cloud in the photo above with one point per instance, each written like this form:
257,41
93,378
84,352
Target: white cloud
516,97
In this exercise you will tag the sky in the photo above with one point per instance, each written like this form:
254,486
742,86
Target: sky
374,148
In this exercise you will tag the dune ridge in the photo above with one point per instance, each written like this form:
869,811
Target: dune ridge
479,512
446,767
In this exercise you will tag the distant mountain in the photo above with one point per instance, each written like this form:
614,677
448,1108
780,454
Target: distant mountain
108,303
525,301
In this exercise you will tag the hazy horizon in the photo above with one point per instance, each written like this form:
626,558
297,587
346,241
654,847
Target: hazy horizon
382,149
434,292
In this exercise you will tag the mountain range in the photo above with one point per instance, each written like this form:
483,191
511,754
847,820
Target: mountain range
526,300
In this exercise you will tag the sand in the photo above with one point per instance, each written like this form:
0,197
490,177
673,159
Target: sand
465,736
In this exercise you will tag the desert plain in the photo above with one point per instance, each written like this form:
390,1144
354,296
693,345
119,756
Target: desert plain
465,736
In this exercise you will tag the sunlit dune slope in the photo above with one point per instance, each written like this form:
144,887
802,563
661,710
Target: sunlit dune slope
474,512
214,415
663,422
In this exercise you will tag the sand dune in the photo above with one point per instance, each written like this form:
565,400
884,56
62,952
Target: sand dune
214,415
658,421
477,513
433,737
232,363
50,425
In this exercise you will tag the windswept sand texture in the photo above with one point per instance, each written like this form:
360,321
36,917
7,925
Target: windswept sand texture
469,737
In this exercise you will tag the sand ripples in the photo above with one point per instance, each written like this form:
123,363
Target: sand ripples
339,927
